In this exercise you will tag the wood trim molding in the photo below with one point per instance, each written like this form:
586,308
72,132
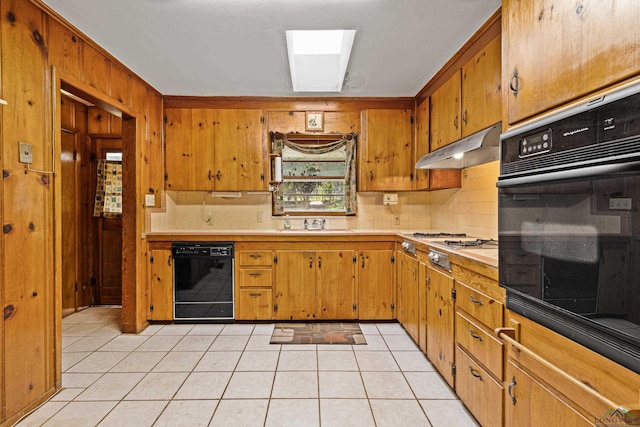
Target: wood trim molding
489,30
286,103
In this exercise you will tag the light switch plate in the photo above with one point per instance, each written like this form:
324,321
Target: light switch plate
26,152
150,200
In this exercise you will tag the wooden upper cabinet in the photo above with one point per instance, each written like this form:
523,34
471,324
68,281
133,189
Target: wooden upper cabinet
470,100
189,149
435,178
482,89
239,154
214,149
556,52
445,113
386,150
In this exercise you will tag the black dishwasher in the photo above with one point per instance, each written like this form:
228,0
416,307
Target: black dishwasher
203,280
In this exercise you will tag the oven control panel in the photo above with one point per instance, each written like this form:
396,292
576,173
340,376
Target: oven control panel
537,143
439,259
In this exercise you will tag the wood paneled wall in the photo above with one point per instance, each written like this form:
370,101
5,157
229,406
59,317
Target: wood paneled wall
38,52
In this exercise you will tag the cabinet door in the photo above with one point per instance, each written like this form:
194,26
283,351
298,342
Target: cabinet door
408,294
335,284
422,307
239,162
189,149
376,279
482,89
445,113
161,285
430,178
556,52
531,403
440,332
388,150
295,285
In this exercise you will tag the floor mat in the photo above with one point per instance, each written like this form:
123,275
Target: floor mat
317,333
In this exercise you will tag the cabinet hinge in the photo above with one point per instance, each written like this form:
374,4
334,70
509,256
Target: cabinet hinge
166,119
355,307
75,155
262,119
393,259
411,119
151,259
453,294
166,176
355,259
151,307
275,307
453,370
75,286
275,259
261,177
393,306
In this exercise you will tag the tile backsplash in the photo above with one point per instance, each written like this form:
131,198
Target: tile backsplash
472,209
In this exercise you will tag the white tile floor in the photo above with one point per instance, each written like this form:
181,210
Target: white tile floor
229,375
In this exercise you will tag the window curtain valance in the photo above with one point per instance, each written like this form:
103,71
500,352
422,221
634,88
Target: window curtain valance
319,144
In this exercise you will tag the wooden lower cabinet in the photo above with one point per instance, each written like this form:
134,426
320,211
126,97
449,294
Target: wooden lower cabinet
479,391
376,284
315,285
253,284
160,290
440,323
408,269
254,304
529,402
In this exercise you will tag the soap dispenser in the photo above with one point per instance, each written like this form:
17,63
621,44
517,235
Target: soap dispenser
287,223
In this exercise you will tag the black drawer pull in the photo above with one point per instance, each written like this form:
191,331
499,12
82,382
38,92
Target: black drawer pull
255,256
473,372
255,274
255,295
475,301
473,335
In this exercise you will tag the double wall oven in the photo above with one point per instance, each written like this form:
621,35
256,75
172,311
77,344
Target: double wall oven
569,225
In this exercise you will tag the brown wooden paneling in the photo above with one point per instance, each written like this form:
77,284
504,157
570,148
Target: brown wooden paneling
120,85
95,68
65,48
287,104
294,121
27,209
154,153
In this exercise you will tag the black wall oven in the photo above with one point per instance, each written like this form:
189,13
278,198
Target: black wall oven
569,226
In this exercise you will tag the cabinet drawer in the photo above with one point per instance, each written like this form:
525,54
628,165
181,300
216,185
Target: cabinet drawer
484,347
484,308
478,390
255,278
254,304
254,258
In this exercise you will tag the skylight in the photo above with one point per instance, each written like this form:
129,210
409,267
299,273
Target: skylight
318,59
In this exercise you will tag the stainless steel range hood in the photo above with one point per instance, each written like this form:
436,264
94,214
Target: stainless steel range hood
481,147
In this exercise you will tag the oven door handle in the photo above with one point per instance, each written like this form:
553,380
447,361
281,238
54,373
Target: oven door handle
589,171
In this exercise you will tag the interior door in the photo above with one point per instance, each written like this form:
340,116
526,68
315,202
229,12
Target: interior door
107,236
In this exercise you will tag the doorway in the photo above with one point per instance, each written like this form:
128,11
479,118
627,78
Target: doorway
92,241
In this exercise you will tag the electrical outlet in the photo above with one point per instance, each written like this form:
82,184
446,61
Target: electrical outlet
150,200
396,220
260,217
26,152
390,199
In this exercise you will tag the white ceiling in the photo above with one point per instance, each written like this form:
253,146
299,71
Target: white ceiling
238,47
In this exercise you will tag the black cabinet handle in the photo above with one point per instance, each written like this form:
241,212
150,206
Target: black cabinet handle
255,295
511,386
473,372
218,175
319,262
169,260
464,117
514,83
473,335
310,262
255,256
362,261
255,274
475,301
455,122
209,175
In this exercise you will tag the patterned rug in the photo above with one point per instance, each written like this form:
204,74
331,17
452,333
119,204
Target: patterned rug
317,333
